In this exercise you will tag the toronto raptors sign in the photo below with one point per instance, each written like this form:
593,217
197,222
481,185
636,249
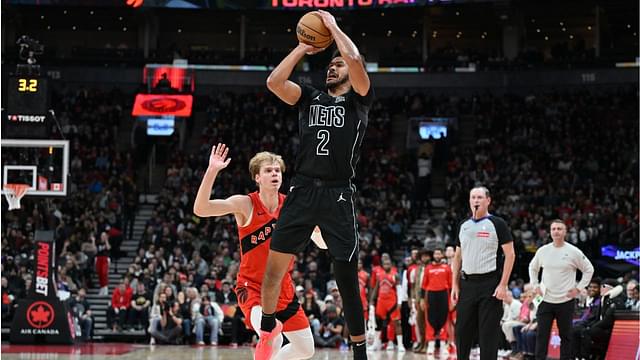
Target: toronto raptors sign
161,104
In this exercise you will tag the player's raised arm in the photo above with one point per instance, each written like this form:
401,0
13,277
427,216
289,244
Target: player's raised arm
239,205
278,81
349,52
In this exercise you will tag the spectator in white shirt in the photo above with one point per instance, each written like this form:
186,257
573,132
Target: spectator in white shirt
510,317
633,296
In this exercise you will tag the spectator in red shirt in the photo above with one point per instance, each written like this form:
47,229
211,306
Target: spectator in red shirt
120,304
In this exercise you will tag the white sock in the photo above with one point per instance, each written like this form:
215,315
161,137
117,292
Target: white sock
399,340
300,346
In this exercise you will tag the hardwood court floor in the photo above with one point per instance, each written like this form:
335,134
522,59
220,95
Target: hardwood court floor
118,351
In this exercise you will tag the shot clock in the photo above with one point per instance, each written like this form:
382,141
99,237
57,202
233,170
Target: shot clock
27,96
27,107
27,85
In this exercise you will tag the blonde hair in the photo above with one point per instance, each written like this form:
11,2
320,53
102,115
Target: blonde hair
264,157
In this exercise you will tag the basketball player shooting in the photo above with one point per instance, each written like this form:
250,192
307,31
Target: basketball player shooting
331,123
256,215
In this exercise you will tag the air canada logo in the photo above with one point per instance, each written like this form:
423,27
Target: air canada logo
40,315
164,105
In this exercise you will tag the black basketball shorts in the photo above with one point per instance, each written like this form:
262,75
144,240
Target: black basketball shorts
327,204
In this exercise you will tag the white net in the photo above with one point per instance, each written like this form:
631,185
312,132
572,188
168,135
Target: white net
13,193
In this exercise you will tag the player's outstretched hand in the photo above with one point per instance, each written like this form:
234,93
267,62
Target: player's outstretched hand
218,159
309,49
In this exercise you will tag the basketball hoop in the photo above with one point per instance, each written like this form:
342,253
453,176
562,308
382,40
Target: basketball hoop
13,193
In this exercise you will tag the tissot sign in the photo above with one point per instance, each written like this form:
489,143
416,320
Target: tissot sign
43,318
27,118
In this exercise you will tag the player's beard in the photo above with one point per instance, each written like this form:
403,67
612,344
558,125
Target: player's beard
337,83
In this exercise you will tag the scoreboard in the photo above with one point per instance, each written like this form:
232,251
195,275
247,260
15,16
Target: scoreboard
28,96
27,108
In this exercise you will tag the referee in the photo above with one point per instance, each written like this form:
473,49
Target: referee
478,290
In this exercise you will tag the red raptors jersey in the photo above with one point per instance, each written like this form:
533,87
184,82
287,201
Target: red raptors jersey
363,278
254,245
387,287
376,272
437,277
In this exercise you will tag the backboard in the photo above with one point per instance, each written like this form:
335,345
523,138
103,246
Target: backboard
42,164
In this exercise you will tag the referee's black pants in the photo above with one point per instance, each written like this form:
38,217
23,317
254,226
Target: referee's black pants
479,314
563,313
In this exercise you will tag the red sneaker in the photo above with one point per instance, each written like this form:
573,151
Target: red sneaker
265,349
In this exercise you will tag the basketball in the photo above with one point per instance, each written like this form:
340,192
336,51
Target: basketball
311,30
143,179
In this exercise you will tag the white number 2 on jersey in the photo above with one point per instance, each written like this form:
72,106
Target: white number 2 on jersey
323,136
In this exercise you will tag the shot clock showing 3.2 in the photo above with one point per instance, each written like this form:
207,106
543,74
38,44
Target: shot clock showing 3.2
27,85
28,95
27,107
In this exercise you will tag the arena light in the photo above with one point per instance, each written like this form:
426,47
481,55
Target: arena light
135,3
468,69
371,67
629,64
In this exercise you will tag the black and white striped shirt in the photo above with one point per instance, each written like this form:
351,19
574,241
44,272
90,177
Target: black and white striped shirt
479,241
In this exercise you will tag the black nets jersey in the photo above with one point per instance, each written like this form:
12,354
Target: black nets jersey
331,129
